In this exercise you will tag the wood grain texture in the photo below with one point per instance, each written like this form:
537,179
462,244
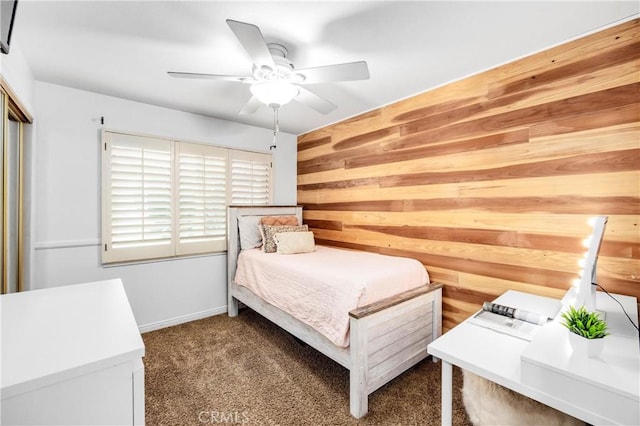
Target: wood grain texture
489,181
392,301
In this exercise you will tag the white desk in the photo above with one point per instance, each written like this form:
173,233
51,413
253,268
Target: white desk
614,376
71,355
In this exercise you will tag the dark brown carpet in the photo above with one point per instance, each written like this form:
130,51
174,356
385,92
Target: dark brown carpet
245,370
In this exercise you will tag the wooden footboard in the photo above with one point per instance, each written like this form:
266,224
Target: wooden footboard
386,337
389,337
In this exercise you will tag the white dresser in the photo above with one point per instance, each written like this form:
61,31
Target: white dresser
71,355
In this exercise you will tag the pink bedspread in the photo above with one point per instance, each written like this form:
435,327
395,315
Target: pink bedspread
320,288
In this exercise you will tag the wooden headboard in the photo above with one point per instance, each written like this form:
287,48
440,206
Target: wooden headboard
233,237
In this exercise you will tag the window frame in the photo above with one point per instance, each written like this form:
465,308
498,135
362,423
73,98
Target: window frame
178,246
186,246
249,156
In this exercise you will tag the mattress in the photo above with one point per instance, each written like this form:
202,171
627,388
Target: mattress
320,288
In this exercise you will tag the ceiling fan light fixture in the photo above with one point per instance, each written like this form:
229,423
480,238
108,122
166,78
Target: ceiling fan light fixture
274,81
274,93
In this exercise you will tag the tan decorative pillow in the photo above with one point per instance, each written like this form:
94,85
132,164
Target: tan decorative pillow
268,231
279,220
294,242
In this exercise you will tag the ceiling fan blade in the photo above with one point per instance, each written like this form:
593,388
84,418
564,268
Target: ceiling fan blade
340,72
251,106
251,39
210,76
314,101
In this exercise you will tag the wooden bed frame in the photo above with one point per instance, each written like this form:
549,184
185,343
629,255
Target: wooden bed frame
386,337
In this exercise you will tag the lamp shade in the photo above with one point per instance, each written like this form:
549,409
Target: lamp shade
274,93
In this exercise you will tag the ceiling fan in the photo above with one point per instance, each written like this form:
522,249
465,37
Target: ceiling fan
274,80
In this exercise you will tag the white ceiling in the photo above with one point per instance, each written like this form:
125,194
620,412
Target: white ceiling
125,48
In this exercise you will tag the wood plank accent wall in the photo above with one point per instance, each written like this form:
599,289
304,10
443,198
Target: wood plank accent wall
489,181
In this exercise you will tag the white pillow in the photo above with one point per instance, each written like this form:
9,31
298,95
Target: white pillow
268,231
294,242
249,231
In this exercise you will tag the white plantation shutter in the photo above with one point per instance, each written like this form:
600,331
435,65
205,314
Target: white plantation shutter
163,198
138,198
250,178
202,198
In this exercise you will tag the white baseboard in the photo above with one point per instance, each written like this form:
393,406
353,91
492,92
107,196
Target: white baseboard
182,319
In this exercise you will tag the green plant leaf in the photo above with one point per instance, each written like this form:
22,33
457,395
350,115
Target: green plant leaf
584,323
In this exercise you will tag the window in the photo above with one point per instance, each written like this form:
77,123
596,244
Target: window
202,198
250,178
165,198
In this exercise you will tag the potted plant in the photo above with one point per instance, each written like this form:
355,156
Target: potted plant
587,330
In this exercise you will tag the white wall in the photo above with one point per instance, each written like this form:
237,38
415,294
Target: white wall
16,71
67,200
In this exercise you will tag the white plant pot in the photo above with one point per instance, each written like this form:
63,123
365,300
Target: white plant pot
590,348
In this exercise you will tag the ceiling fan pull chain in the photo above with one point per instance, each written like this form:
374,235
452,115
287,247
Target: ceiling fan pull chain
275,128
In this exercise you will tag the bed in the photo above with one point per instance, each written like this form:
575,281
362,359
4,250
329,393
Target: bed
385,336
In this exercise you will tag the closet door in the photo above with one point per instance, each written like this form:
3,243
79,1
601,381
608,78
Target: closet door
13,234
2,188
11,182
